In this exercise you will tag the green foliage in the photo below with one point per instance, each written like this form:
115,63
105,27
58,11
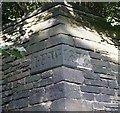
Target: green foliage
12,51
5,53
16,52
109,11
13,10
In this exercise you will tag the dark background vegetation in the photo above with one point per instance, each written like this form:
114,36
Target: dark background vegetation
108,11
13,10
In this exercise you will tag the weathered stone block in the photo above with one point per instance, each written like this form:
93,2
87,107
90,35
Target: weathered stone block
3,87
119,92
105,58
7,86
28,86
108,91
35,108
6,66
90,89
21,94
71,105
106,76
63,90
60,39
6,99
76,58
7,71
16,62
43,82
99,69
47,74
100,63
58,105
55,92
114,67
32,78
114,107
98,106
37,96
37,47
60,55
23,87
71,91
113,84
21,103
102,98
25,63
7,93
59,28
19,76
88,96
83,44
95,55
46,59
90,75
96,83
26,68
21,81
10,59
68,74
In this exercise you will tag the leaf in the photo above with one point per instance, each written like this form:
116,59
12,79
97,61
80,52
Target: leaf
16,53
5,53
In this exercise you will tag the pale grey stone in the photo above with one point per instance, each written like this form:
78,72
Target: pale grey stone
102,98
60,55
71,105
113,84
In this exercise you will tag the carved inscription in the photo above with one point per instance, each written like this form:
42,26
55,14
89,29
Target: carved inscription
60,55
46,59
76,57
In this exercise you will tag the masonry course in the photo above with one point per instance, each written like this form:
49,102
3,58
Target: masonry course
66,67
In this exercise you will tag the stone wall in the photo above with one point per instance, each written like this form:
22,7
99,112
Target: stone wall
67,67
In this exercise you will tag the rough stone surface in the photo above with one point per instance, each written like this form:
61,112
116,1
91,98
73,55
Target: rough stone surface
37,96
67,67
71,105
63,90
60,39
112,84
99,83
43,82
98,106
66,74
90,89
60,55
95,55
90,75
32,78
88,96
108,91
102,98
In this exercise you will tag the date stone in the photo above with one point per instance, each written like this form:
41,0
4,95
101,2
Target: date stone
58,56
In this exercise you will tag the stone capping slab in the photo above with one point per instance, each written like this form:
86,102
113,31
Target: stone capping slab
58,56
